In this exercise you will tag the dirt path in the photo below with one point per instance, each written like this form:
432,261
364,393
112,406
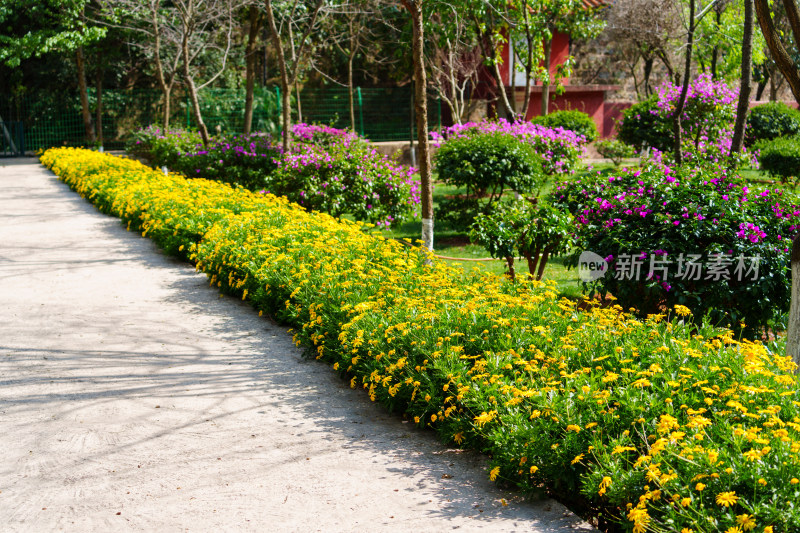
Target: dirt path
134,398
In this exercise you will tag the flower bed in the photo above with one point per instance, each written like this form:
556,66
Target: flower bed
659,426
328,169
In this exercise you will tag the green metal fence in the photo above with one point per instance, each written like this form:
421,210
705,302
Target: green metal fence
48,119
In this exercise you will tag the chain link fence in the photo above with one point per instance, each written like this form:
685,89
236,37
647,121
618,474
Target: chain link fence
54,119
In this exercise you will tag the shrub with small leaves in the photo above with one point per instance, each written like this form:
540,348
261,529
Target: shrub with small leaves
770,121
780,157
535,231
576,121
614,150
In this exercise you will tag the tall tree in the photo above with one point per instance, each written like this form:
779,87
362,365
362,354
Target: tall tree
791,71
255,21
745,86
205,25
415,9
452,56
286,20
777,43
538,21
646,30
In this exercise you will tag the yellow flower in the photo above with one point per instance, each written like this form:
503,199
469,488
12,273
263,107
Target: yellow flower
578,458
682,310
699,487
794,481
727,499
604,484
746,521
768,529
485,417
493,473
686,502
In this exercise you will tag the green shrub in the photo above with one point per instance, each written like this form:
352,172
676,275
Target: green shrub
644,125
535,232
576,121
486,164
770,121
780,157
614,150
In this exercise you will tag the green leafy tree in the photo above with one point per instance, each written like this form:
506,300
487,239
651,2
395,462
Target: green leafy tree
49,27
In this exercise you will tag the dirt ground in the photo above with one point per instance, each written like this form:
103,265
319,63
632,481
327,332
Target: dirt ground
134,398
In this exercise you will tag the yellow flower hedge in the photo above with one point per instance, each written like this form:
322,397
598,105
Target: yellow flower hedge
653,425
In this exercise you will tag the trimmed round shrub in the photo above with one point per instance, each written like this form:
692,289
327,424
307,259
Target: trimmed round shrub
489,163
643,125
576,121
614,150
780,157
485,164
770,121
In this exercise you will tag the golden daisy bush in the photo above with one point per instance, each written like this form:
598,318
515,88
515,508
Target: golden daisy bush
677,426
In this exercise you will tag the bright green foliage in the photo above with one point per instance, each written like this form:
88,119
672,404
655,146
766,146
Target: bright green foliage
535,232
486,164
780,157
614,150
576,121
770,121
31,29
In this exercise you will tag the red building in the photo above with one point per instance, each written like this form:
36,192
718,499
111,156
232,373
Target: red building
591,99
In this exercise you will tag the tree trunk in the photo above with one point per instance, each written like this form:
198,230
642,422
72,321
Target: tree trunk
167,108
99,107
201,126
548,46
85,112
285,85
648,70
350,91
746,85
715,50
250,68
776,48
297,100
793,334
760,89
685,88
421,108
542,264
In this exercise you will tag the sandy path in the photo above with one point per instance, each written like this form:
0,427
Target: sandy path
134,398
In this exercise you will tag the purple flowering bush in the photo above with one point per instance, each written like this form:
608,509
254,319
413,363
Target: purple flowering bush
707,121
162,147
694,237
243,160
347,178
321,135
327,169
560,149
